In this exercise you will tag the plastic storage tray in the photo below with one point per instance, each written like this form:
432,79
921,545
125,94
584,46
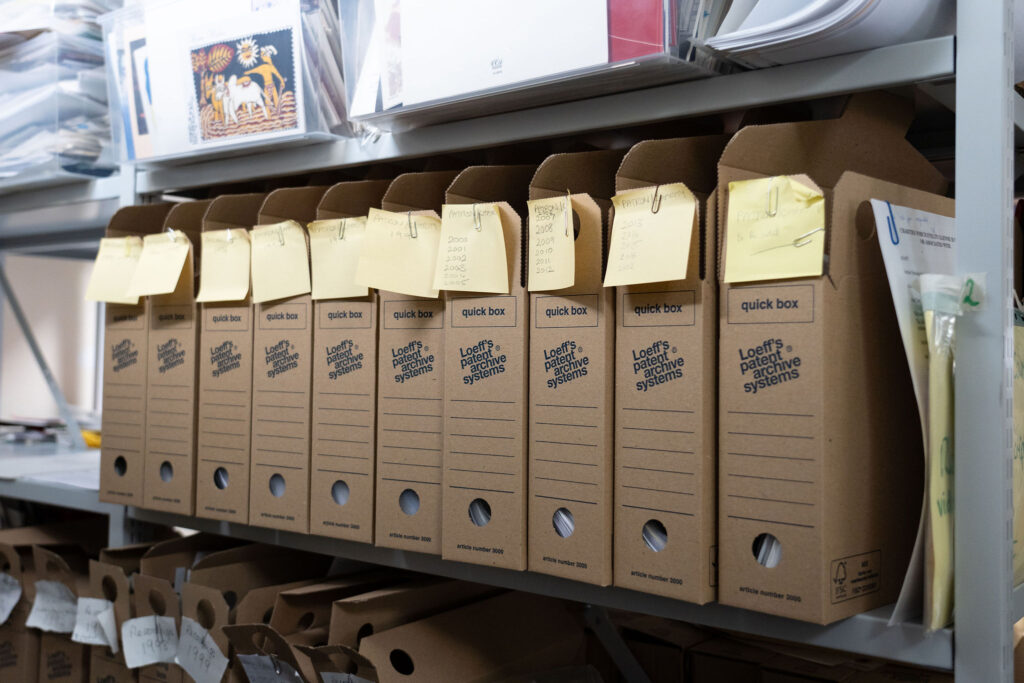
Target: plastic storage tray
54,126
195,77
410,64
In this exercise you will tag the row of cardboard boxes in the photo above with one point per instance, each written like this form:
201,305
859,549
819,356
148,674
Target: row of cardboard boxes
755,442
207,609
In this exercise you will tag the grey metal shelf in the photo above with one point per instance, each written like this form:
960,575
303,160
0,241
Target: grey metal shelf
866,634
69,497
917,62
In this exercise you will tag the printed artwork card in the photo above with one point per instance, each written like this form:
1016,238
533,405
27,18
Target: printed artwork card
245,86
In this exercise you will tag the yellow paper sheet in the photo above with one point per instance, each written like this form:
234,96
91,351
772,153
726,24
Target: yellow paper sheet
112,272
1018,450
939,590
471,255
775,229
651,235
224,268
280,261
163,257
399,253
552,244
334,248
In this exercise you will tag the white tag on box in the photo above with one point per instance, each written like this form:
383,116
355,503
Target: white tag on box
54,609
198,654
149,640
264,669
88,629
10,594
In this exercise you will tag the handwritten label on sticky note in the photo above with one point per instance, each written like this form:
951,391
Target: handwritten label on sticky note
198,654
334,247
775,229
651,235
224,268
10,594
280,262
160,264
149,640
112,272
54,609
88,629
471,256
399,253
552,250
264,669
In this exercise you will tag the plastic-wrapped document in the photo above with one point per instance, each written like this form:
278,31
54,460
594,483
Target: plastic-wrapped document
191,77
760,33
55,122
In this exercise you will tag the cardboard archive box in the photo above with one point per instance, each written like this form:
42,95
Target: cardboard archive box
19,644
282,405
572,339
172,382
485,393
825,454
112,582
125,354
225,383
220,581
61,659
491,639
163,570
345,392
410,410
665,484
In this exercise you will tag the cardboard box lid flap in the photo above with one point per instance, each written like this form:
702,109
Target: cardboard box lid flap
339,659
70,567
244,638
590,173
257,606
418,191
144,219
303,608
484,184
110,582
692,161
233,211
291,203
129,557
154,595
188,217
164,558
868,138
351,198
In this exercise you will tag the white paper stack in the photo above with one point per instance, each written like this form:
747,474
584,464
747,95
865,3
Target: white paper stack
761,33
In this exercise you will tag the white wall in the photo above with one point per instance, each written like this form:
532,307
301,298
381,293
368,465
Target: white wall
51,292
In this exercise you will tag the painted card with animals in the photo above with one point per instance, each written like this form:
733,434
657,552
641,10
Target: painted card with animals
246,86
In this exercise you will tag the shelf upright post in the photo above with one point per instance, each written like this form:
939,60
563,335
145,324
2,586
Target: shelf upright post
984,355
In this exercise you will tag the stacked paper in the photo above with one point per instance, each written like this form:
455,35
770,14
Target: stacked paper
761,33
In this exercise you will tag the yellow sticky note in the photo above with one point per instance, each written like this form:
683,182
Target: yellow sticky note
552,244
334,248
224,268
112,272
651,235
280,261
471,256
399,253
163,256
775,229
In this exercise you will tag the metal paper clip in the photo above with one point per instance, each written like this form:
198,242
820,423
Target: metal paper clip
656,200
568,210
229,235
798,241
476,220
280,234
277,664
770,210
171,234
341,228
413,230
